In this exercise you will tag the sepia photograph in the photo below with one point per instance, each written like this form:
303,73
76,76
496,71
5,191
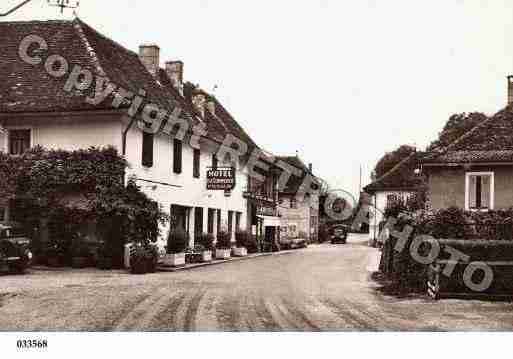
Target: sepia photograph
280,168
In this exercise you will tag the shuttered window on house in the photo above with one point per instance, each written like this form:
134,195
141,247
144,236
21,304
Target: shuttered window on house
177,156
230,222
196,163
479,188
237,221
147,149
211,214
214,161
19,141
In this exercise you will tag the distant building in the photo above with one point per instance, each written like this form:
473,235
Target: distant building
400,183
298,218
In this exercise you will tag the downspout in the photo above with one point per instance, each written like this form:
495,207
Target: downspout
123,141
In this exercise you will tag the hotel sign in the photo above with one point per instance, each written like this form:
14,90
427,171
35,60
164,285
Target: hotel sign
221,179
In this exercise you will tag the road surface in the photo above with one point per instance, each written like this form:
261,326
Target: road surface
322,288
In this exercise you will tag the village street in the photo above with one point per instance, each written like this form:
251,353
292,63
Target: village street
324,287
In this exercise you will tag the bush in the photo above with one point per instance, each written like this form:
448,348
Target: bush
241,239
105,257
224,240
206,240
143,259
302,235
251,244
177,241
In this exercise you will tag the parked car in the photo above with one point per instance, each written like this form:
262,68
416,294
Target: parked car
292,243
339,234
15,254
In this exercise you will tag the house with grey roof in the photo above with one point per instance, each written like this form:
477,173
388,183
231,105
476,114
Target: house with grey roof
475,172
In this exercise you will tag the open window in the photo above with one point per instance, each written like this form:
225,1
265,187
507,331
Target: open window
479,191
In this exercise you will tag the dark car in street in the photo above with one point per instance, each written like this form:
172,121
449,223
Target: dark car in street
15,254
339,234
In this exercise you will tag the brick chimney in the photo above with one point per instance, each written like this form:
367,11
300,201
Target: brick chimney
174,70
150,57
510,90
310,167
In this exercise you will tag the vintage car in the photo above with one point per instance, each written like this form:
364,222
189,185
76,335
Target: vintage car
15,254
339,234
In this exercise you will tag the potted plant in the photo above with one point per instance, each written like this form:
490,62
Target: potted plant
240,244
177,242
207,246
105,261
223,246
55,256
81,256
139,259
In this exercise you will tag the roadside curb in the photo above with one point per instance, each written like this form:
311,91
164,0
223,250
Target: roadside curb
217,262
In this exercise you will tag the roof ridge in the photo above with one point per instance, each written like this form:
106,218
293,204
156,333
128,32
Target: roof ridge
77,25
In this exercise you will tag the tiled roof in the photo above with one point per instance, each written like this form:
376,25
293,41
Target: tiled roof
294,182
28,88
401,177
489,141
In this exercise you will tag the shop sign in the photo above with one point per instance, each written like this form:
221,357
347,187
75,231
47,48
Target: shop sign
221,179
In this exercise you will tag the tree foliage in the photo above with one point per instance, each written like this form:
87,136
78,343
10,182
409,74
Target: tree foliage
81,185
391,159
456,126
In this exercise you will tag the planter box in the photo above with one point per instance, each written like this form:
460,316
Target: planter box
174,260
206,256
240,252
80,262
223,253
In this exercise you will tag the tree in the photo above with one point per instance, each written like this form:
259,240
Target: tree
456,126
390,160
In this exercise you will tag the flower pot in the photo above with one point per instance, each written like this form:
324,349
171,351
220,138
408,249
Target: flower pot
223,253
79,262
105,263
206,256
55,261
174,260
240,252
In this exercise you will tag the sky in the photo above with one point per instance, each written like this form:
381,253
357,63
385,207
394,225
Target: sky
340,82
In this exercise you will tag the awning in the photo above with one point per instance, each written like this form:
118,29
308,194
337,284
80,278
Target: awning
271,221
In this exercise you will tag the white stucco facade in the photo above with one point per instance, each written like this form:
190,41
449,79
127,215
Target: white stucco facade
73,131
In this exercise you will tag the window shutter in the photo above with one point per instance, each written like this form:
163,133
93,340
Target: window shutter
472,192
485,192
177,156
147,149
196,163
214,161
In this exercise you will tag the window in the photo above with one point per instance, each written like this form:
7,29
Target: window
211,213
198,222
237,221
215,162
196,163
19,141
479,191
230,222
147,149
177,156
293,203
